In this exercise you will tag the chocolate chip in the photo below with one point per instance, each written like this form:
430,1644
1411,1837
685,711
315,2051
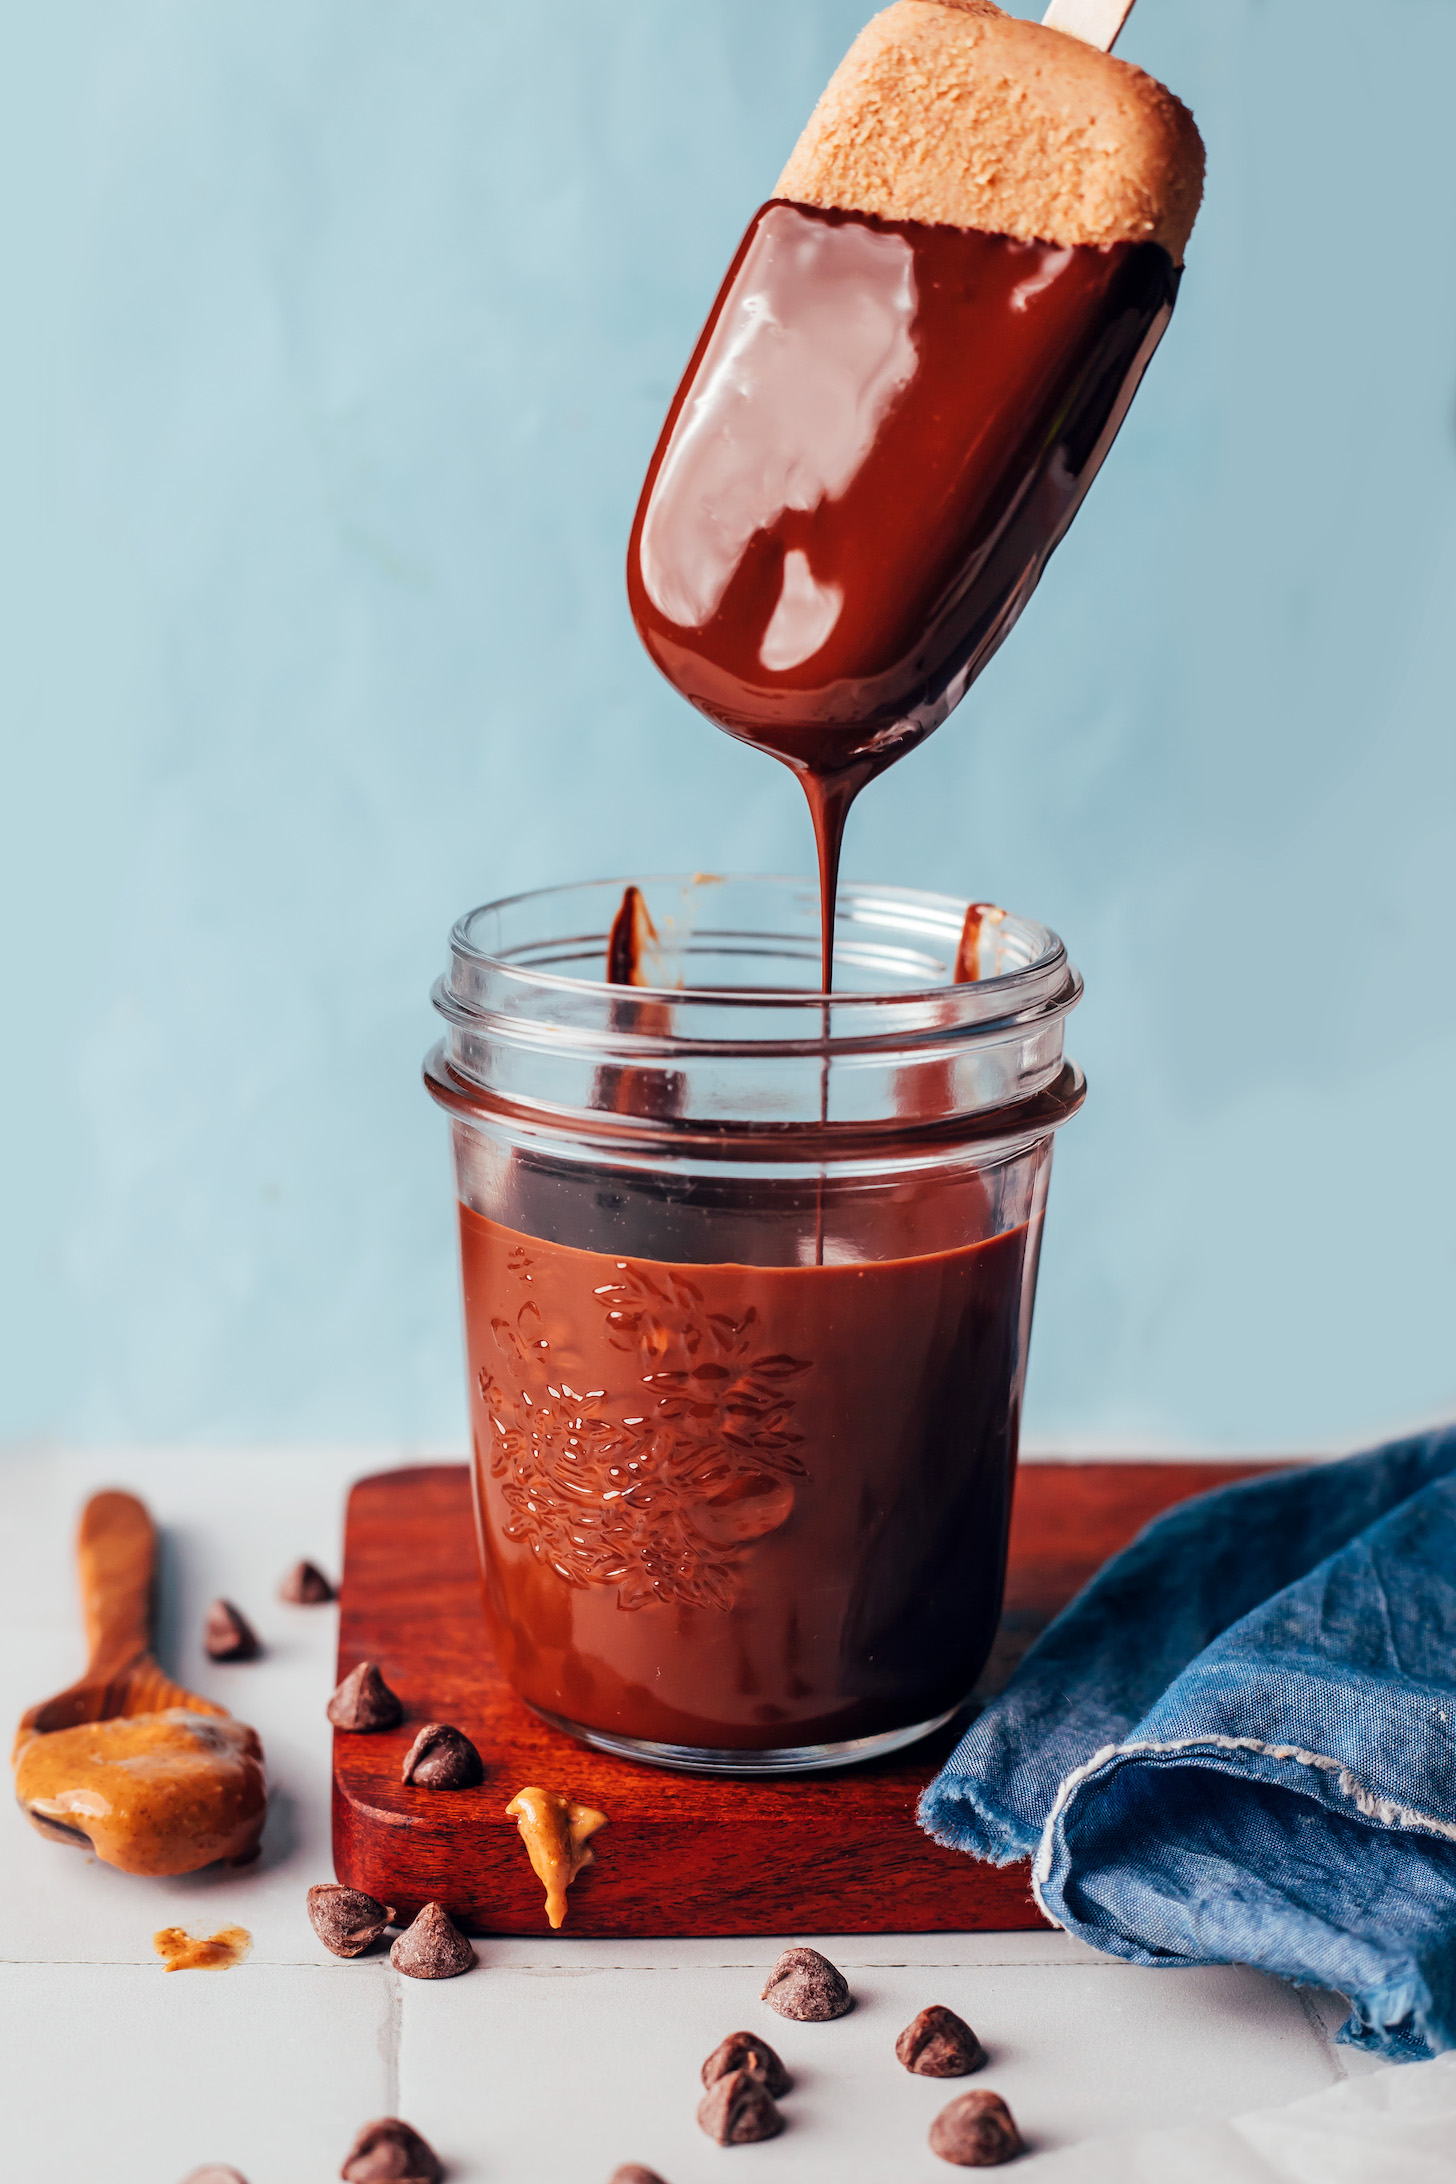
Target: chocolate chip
805,1985
976,2132
442,1758
212,2174
745,2051
938,2044
739,2110
389,2152
306,1586
632,2172
433,1948
345,1919
227,1634
364,1701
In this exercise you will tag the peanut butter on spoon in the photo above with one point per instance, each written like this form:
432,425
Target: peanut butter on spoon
126,1763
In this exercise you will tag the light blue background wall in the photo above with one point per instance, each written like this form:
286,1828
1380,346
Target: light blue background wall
336,335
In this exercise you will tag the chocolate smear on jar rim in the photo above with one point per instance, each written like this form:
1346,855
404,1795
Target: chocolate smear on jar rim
745,2051
364,1702
442,1758
976,2131
433,1948
391,2152
739,2110
968,953
806,1986
633,932
227,1635
938,2044
306,1586
346,1920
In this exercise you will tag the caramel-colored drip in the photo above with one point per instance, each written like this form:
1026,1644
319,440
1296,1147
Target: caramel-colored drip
555,1832
184,1952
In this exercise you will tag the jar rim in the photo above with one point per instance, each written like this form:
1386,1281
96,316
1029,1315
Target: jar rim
535,1028
1040,962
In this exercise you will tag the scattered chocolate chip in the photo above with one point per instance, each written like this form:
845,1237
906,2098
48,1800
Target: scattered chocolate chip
345,1919
433,1948
442,1758
213,2174
227,1635
364,1701
389,2152
739,2110
805,1985
632,2172
306,1586
938,2044
745,2051
976,2132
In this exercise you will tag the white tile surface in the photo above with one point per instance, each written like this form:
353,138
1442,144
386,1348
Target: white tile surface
139,2076
1076,2050
556,2059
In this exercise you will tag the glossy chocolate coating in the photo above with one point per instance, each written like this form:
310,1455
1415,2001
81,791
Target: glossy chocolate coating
884,432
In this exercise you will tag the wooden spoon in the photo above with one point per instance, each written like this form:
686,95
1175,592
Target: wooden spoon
174,1794
117,1553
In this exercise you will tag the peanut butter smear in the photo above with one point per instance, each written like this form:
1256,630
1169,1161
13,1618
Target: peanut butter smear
555,1833
152,1793
184,1952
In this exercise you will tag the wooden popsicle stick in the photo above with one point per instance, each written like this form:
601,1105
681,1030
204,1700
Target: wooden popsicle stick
1095,22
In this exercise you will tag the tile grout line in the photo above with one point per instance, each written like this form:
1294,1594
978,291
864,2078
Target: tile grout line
393,2037
847,1963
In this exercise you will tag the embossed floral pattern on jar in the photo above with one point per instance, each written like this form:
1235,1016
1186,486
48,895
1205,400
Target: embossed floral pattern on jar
657,1484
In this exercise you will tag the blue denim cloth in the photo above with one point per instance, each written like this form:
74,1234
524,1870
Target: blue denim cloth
1238,1744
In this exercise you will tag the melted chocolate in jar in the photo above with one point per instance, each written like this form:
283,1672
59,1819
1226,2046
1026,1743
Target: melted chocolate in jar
885,430
745,1506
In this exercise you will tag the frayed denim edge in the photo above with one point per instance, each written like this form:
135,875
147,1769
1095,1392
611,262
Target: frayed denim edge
1384,1809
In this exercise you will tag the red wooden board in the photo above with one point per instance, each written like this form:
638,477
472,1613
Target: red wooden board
833,1853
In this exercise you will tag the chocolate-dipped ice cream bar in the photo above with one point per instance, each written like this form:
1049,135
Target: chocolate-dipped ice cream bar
918,360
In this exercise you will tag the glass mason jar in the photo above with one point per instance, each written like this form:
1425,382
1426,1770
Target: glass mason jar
748,1277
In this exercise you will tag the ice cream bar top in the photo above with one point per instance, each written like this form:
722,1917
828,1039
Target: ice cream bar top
952,112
